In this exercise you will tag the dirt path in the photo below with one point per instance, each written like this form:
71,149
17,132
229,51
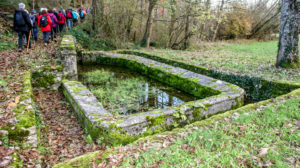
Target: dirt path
62,137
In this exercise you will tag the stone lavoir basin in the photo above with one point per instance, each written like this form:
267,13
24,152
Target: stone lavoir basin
124,92
196,97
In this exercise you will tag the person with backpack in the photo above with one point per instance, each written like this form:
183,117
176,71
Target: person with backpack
22,25
61,21
75,17
54,24
56,14
82,14
45,23
69,18
34,19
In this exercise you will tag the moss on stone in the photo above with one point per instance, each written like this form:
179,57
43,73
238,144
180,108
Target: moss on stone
25,116
268,89
77,89
16,133
156,120
43,80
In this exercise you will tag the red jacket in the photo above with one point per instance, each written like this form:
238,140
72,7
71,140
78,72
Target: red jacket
63,18
48,27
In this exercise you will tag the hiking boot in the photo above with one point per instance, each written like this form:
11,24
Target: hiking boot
20,49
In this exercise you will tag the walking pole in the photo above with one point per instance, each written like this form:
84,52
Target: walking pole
28,40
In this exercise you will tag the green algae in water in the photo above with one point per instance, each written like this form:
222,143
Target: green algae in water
125,92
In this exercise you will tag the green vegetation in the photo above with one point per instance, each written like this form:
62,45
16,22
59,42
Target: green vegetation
7,45
7,41
89,40
255,59
256,138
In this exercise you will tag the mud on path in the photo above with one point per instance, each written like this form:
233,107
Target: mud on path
62,137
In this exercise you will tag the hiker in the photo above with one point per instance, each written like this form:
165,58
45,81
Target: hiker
45,23
54,24
22,25
75,17
69,18
56,14
61,20
34,19
82,14
63,12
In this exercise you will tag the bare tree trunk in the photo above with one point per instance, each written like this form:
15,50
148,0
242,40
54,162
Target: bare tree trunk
173,20
94,14
288,53
187,27
218,21
33,4
147,36
128,27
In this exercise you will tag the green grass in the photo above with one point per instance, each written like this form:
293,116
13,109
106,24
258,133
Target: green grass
7,41
247,58
7,45
235,143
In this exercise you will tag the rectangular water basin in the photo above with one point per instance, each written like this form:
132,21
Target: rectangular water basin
123,92
104,125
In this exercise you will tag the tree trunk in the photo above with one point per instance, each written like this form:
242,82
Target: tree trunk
94,14
288,53
172,23
218,21
147,36
187,29
33,4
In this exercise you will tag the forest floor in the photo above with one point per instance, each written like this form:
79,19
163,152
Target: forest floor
62,137
243,57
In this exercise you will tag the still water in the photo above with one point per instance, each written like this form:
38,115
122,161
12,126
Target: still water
124,92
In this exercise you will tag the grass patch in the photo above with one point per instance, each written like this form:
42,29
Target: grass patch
7,45
258,138
256,59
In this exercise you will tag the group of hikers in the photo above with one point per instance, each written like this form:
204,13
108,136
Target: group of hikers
49,21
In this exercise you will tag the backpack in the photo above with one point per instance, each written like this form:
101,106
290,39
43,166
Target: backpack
75,17
19,19
60,18
51,17
81,14
32,18
69,14
44,21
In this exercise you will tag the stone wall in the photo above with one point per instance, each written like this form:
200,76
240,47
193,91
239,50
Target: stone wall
257,88
23,126
222,96
68,57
